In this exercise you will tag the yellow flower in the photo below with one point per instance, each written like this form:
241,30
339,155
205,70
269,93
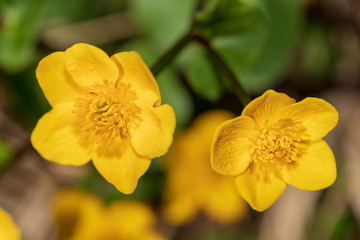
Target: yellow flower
80,215
276,142
8,229
105,109
192,186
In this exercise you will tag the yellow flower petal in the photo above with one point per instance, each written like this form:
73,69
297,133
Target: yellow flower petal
225,205
268,108
260,188
192,186
54,138
102,103
137,215
179,205
284,130
83,216
179,209
133,71
88,64
55,81
153,136
316,115
207,123
75,211
8,229
229,151
315,169
121,166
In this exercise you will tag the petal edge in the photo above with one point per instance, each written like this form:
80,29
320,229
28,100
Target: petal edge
55,139
88,64
267,109
316,115
260,189
135,72
229,154
121,166
153,137
55,81
315,170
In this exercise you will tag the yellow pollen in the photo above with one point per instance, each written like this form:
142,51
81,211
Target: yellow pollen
105,113
276,145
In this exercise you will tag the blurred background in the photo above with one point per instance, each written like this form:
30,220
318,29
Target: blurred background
299,47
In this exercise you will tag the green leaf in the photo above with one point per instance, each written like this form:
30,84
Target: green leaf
255,38
202,73
284,21
176,95
242,51
227,17
58,13
19,32
238,32
163,21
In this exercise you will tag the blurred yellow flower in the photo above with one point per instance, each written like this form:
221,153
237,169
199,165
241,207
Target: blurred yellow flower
192,186
105,109
80,215
276,142
8,229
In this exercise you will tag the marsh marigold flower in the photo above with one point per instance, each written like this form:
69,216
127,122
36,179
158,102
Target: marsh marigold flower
192,186
105,109
276,142
80,215
8,229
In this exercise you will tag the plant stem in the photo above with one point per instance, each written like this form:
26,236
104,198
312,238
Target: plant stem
170,55
237,89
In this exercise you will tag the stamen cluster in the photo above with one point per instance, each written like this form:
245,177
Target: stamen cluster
275,144
105,113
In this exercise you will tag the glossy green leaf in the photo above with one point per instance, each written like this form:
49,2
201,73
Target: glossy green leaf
163,20
284,20
228,17
202,73
255,38
238,32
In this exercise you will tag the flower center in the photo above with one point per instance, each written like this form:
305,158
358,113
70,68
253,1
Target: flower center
104,113
276,144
